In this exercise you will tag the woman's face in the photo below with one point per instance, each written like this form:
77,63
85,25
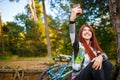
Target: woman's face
86,34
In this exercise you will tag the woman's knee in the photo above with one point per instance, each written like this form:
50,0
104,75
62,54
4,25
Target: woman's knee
107,64
98,74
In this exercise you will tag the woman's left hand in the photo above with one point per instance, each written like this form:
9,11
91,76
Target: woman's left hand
97,62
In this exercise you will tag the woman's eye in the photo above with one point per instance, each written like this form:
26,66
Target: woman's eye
84,30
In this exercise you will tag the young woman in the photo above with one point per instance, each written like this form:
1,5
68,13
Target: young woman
94,63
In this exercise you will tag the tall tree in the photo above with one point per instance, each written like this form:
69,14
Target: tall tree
46,28
114,7
2,35
0,25
33,10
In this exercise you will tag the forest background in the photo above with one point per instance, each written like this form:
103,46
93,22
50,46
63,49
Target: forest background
37,34
26,37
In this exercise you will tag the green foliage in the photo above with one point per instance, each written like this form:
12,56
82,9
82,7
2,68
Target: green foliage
95,12
106,38
25,37
5,57
66,45
60,39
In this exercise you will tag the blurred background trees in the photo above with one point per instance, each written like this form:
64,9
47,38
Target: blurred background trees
26,36
39,34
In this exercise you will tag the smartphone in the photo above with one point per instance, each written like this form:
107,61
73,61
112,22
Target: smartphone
76,5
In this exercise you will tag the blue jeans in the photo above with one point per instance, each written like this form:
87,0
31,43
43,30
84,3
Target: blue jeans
88,73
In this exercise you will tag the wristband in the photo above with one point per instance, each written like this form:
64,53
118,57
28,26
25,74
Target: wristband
71,22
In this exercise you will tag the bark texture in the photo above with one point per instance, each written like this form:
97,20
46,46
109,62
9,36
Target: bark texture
114,7
46,29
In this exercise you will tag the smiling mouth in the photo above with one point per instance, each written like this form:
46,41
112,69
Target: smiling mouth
86,35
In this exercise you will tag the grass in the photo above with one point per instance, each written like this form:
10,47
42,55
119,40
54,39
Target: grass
35,58
17,58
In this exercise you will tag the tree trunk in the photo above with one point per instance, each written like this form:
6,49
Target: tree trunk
0,26
46,28
33,10
114,7
1,36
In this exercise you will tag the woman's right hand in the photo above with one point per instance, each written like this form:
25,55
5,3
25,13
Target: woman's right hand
74,13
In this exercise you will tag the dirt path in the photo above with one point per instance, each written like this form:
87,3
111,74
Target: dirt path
33,66
24,64
27,64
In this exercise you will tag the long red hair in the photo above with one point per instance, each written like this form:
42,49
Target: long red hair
94,44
